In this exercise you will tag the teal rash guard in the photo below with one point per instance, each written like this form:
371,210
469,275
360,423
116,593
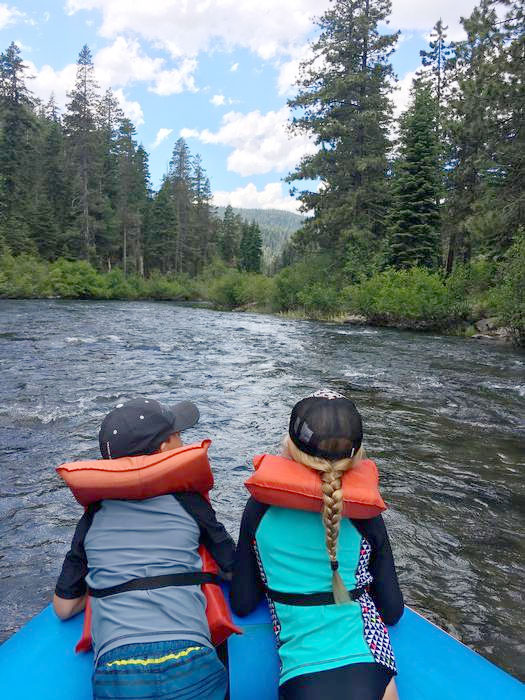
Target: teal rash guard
284,550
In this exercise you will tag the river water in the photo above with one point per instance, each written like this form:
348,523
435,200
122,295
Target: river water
444,419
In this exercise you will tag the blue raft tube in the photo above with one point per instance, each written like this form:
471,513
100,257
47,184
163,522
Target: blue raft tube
39,662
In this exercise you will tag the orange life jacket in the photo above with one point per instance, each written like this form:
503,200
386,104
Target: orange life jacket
135,478
282,482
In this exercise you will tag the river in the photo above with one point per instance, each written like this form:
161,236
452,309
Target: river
444,419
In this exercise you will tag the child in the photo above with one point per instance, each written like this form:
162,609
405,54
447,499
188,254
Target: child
329,579
156,642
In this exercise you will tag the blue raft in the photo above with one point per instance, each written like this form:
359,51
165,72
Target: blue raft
39,662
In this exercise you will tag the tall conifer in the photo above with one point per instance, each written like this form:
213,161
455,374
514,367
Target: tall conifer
343,104
414,234
84,156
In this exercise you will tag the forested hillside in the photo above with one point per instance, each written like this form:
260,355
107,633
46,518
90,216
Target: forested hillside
416,221
276,225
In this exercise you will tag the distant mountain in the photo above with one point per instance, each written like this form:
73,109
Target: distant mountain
276,226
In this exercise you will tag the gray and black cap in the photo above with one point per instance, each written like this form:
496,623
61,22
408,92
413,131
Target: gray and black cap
139,426
326,424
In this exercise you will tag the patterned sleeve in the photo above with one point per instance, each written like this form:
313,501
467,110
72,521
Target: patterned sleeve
385,590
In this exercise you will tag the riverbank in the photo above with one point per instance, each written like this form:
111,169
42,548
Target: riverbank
479,300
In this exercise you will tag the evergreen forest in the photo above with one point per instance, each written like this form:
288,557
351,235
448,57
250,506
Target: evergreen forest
416,221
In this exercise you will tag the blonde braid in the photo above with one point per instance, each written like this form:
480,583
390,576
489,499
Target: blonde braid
332,512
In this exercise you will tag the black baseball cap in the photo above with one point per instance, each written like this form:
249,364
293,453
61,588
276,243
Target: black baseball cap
326,424
139,426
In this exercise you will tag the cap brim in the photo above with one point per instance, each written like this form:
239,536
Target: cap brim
186,415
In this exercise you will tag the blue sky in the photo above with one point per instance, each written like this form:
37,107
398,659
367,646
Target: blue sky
217,72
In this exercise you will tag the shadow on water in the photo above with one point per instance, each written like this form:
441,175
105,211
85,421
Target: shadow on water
444,418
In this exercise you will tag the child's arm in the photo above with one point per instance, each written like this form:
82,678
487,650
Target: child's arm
214,535
385,590
247,588
71,590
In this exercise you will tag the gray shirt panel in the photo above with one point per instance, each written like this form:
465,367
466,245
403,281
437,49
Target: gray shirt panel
134,539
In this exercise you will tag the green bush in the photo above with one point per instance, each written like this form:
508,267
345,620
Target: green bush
23,277
167,288
234,289
402,295
469,288
509,295
319,301
75,280
301,285
116,285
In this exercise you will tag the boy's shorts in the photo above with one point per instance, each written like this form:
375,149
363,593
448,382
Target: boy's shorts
167,670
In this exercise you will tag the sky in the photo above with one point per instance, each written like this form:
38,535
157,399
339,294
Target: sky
217,72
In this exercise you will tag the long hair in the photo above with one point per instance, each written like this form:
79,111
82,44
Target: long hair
331,476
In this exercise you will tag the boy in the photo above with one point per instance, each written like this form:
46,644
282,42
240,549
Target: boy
148,643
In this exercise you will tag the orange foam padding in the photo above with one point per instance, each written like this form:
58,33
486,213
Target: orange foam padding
133,478
282,482
217,609
85,641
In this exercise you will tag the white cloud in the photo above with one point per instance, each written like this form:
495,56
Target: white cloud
185,29
162,135
289,69
401,94
261,142
9,15
249,197
23,47
406,16
218,100
234,67
46,16
131,108
47,81
124,62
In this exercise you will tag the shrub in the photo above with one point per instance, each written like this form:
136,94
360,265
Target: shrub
319,301
167,288
116,285
295,286
509,295
75,280
235,288
401,295
23,277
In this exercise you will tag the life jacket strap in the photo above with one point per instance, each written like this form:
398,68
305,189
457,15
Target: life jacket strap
307,599
189,578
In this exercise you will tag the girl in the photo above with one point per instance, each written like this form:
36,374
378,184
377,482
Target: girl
330,581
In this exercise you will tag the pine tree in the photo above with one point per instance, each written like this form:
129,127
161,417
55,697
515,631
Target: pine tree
160,245
472,122
132,194
204,211
230,236
109,116
250,249
52,192
84,157
437,59
18,137
414,234
343,103
500,212
180,179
